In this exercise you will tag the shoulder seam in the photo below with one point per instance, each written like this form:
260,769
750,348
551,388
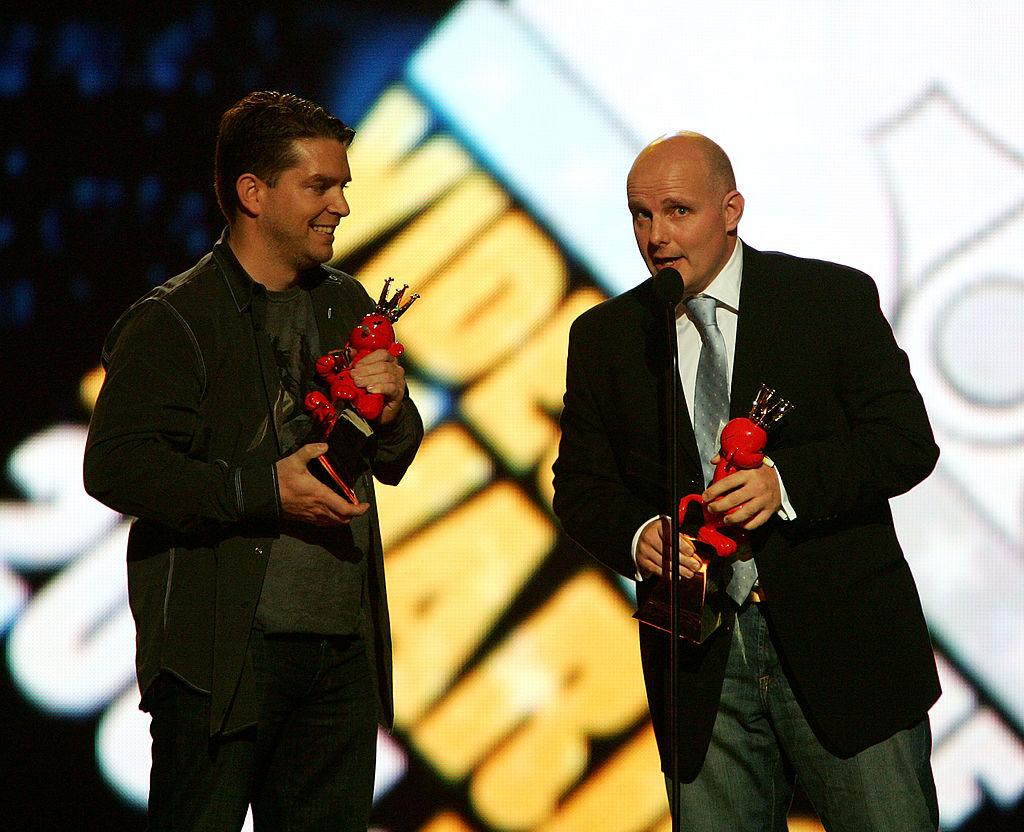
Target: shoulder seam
192,337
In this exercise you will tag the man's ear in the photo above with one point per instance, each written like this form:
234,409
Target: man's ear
251,191
732,209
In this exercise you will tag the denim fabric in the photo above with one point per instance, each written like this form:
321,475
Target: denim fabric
762,744
307,766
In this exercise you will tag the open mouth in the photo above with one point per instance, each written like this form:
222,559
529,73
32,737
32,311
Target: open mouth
663,262
324,229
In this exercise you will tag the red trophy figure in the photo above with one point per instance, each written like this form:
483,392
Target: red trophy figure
742,446
342,416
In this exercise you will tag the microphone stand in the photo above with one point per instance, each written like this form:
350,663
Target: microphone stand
673,476
669,288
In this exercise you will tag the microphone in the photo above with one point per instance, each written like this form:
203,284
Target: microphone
668,286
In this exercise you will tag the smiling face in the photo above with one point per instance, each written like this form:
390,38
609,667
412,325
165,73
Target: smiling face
685,208
300,212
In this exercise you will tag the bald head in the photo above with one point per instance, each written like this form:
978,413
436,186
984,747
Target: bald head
685,207
695,147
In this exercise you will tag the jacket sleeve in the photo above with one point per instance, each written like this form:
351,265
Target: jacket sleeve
397,444
592,500
882,444
137,457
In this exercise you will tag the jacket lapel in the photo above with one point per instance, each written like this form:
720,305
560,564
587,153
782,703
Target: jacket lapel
753,332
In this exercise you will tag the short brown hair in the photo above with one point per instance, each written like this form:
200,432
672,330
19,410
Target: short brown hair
257,136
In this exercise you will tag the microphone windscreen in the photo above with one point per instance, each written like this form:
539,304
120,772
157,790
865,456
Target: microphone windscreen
668,286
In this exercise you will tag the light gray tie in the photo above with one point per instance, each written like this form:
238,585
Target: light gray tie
710,413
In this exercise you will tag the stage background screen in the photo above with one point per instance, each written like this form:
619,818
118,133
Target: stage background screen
493,141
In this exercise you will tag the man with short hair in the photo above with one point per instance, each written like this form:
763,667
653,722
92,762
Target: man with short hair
263,649
822,670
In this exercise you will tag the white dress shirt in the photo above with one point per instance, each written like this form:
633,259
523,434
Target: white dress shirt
725,288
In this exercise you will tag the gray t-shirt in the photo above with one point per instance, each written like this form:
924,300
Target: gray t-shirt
316,578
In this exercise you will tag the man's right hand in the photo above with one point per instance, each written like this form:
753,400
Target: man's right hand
654,549
305,499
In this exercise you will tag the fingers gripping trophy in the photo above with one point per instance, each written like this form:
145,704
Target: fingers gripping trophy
343,415
742,446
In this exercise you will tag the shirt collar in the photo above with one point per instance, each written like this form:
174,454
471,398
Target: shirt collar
725,288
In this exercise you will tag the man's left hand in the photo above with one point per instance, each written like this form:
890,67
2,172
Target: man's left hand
753,493
380,372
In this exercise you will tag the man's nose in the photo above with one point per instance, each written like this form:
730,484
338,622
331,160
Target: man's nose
659,231
339,205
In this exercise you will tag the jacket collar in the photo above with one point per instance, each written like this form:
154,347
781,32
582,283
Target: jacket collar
240,285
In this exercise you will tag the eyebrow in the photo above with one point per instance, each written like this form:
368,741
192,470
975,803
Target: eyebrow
320,179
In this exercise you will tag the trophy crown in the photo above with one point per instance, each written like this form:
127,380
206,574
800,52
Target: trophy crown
394,308
768,408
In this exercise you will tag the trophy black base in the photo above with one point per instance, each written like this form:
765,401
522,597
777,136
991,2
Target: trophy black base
346,456
698,600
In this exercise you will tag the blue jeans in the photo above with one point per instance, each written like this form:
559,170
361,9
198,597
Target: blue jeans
762,744
307,766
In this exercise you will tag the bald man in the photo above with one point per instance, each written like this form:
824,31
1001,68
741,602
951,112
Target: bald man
824,673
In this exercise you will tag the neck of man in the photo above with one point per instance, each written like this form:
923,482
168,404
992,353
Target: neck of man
259,261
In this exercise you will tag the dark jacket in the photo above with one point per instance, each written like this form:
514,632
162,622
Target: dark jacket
839,595
183,438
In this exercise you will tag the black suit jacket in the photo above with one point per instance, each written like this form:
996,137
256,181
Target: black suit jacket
840,597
